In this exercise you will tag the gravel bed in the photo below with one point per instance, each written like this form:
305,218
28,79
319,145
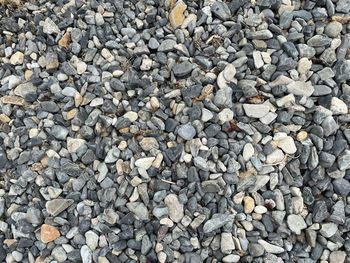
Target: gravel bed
175,131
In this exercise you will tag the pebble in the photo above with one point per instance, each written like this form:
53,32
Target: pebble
176,209
187,131
49,233
144,163
176,16
270,248
256,110
296,223
17,58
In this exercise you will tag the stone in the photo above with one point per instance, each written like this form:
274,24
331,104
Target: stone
25,89
49,233
229,72
59,132
176,15
91,239
296,223
328,229
329,126
275,157
186,131
287,145
216,222
17,58
338,106
337,257
270,248
201,163
167,45
225,115
249,204
221,10
86,254
176,209
256,110
139,210
300,88
230,258
14,100
255,250
144,163
57,206
73,144
65,40
248,151
50,27
341,186
304,65
258,61
320,211
149,143
227,245
182,69
344,160
333,29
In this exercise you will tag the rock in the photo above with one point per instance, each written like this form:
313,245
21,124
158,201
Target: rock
139,210
337,257
304,65
176,16
201,163
187,131
57,206
255,250
17,58
256,110
91,239
225,115
25,89
73,145
227,244
216,222
276,156
300,88
249,204
59,132
229,72
341,186
328,229
333,29
287,145
149,143
269,248
231,258
49,233
221,10
86,254
296,223
167,45
144,163
329,126
182,69
50,27
338,106
248,151
320,211
344,161
176,209
65,40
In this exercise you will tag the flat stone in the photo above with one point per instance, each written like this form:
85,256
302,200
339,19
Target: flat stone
275,157
248,151
270,248
333,29
65,40
249,204
341,186
187,131
144,163
86,254
296,223
227,245
301,88
25,89
216,222
344,161
201,163
229,72
14,100
337,256
167,45
91,239
57,206
176,16
182,69
176,209
48,233
225,115
256,110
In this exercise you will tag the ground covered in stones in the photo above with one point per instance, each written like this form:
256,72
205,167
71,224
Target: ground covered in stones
175,131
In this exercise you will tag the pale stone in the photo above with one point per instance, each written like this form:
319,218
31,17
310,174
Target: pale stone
248,151
17,58
304,65
287,144
144,163
225,115
301,88
73,144
131,115
275,157
176,209
176,16
256,110
249,204
338,106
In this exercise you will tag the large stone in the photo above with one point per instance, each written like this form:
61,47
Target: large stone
296,223
25,89
73,144
270,248
17,58
57,206
216,222
50,27
139,210
144,163
176,16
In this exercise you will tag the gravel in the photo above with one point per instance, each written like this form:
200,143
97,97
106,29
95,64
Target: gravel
174,131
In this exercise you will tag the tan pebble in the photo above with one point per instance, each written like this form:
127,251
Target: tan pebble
17,58
4,118
249,204
65,40
301,136
49,233
176,16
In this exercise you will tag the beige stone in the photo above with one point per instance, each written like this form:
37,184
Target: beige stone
65,40
14,100
249,204
17,58
176,16
49,233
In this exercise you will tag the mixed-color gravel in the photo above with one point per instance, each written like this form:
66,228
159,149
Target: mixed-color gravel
163,131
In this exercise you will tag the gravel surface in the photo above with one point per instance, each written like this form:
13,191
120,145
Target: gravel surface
175,131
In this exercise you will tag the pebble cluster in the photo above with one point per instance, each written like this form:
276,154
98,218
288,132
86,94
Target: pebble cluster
175,131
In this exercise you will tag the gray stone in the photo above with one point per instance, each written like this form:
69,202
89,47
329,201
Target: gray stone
176,209
139,210
57,206
341,186
216,222
182,69
187,131
296,223
221,10
167,45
